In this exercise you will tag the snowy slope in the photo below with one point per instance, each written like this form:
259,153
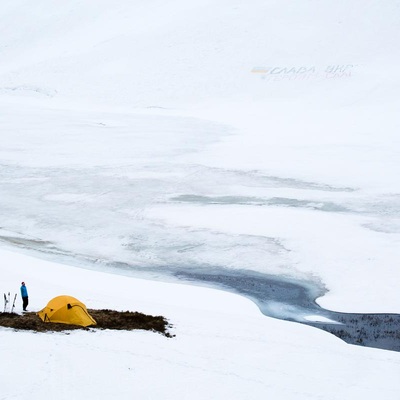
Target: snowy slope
164,53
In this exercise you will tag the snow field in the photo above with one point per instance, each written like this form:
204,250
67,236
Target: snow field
223,346
139,133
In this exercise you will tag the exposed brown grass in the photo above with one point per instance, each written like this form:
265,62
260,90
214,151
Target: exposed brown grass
106,319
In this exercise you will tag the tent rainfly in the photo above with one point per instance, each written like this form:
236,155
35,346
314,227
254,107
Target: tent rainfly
66,310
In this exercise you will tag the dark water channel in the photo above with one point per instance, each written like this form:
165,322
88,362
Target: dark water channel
294,300
278,297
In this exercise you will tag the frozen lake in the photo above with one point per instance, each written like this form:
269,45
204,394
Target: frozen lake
129,199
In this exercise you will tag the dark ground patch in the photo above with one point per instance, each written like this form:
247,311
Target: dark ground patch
106,319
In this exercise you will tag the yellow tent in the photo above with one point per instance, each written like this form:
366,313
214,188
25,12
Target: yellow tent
66,310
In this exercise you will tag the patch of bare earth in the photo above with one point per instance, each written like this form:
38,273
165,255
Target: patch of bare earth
106,319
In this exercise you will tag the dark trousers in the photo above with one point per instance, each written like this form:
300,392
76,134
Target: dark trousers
24,303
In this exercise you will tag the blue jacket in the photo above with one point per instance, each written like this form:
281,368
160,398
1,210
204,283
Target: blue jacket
24,291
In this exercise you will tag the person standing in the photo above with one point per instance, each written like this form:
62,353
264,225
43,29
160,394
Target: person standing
24,295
